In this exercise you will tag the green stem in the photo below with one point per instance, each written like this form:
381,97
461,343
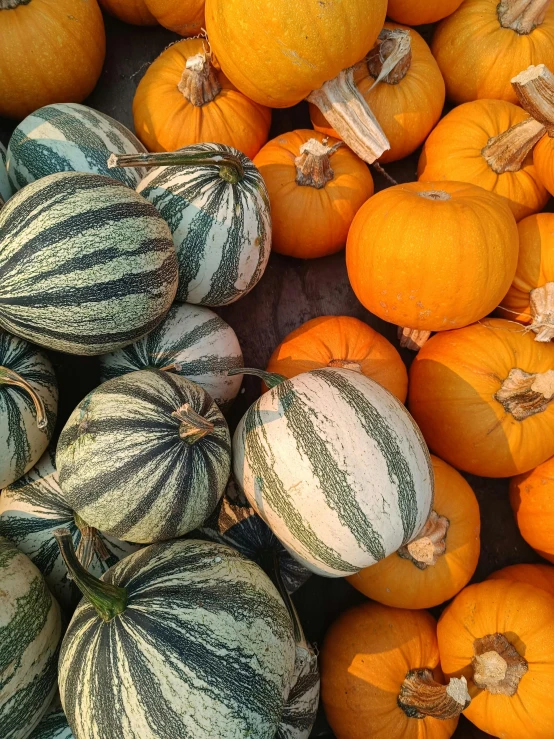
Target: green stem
230,166
271,379
9,377
193,426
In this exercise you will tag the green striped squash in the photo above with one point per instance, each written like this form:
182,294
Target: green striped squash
191,341
300,711
337,468
198,644
54,725
5,186
32,508
67,137
145,457
28,406
30,631
86,264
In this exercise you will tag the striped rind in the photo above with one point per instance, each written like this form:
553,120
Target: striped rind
124,468
204,649
30,631
68,137
31,509
53,726
22,442
86,264
201,344
5,186
336,467
222,232
300,711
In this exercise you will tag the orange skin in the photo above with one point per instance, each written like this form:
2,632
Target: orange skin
543,156
184,17
541,576
130,11
418,12
532,501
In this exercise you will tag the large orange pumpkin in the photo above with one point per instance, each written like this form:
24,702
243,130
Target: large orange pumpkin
499,635
482,397
183,99
488,143
341,341
185,17
51,51
441,561
316,186
532,500
418,255
541,576
481,46
130,11
418,12
380,677
408,101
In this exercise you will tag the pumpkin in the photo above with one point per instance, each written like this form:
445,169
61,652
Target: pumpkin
341,341
183,99
186,19
53,726
441,560
541,576
488,143
300,710
532,501
144,457
335,466
51,52
87,264
482,397
183,638
315,187
5,185
32,508
418,12
408,100
28,406
499,635
380,676
129,11
437,230
31,631
306,50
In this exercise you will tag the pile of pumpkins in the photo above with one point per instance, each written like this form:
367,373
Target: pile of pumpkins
148,556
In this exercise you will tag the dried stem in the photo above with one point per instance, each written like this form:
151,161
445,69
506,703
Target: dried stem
421,696
508,151
542,309
199,83
412,338
230,166
313,165
535,91
497,665
193,426
424,551
9,377
345,364
524,394
390,59
522,16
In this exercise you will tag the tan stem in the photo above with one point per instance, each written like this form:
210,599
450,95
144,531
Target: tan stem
348,113
313,165
497,665
391,57
542,310
535,91
10,4
437,195
89,544
193,426
9,377
412,338
524,394
522,16
230,165
199,83
424,551
345,364
173,367
421,696
508,151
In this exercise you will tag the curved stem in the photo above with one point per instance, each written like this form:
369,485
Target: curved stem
429,545
193,426
421,696
508,151
525,394
89,544
535,91
271,379
313,165
497,665
542,310
390,59
199,83
9,377
522,16
230,166
412,338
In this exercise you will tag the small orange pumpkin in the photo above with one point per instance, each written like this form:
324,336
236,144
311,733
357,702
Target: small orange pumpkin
130,11
315,188
185,18
532,501
541,576
418,12
441,561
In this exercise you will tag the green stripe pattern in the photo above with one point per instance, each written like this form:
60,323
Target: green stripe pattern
5,185
300,711
53,726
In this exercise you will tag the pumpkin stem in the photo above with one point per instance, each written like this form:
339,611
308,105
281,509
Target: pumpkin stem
437,195
89,544
522,16
421,696
524,394
271,379
173,367
412,338
193,426
313,166
345,364
508,151
391,58
230,166
9,4
348,113
535,91
9,377
109,600
199,84
542,310
430,543
497,665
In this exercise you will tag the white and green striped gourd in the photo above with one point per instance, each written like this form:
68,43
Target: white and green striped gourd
86,264
5,186
53,725
30,632
144,457
68,137
32,508
336,467
181,639
300,711
28,406
191,341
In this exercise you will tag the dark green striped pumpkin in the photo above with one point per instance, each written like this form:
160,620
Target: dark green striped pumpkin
86,264
53,726
300,711
5,186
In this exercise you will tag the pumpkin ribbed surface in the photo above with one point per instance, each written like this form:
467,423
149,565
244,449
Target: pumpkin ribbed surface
532,501
418,12
541,576
129,11
186,19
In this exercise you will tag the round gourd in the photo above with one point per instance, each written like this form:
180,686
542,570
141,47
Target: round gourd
499,635
87,264
31,631
144,457
184,99
315,188
441,560
198,643
54,725
393,262
300,710
336,467
532,501
51,51
541,576
341,341
418,12
5,185
482,397
381,678
130,11
28,406
184,18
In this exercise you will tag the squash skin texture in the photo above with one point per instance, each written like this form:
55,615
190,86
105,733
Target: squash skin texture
134,12
532,501
539,575
543,157
185,18
418,12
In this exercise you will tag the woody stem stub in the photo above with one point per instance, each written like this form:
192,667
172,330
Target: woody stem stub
313,165
421,696
542,310
497,665
522,16
193,426
525,394
199,83
424,551
508,151
390,59
534,88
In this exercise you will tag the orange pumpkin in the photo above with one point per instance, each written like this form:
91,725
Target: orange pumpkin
341,341
441,561
130,11
315,188
51,51
380,677
408,101
418,12
437,230
485,43
482,397
185,18
541,576
532,501
183,99
488,143
499,635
